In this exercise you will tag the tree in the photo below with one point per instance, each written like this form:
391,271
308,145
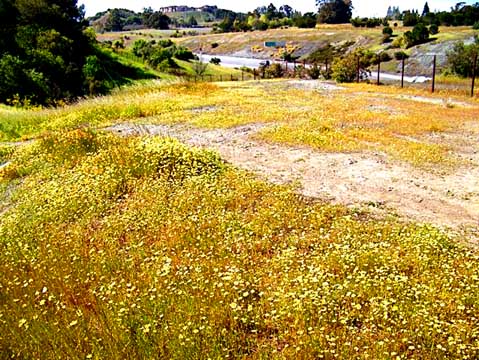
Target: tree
44,49
334,11
460,58
387,34
418,35
157,20
410,18
308,20
47,54
286,11
345,69
433,29
8,20
114,21
200,67
425,10
191,22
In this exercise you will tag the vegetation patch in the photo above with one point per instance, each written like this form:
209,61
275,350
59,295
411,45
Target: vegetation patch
118,248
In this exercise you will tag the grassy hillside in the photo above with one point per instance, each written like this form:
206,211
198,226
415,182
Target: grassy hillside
202,17
304,42
142,247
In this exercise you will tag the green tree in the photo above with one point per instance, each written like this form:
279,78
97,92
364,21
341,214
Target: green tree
418,35
308,20
410,18
191,22
461,58
47,54
8,20
115,21
425,10
157,20
346,68
334,11
46,37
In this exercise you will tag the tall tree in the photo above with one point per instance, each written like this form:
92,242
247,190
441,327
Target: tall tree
287,11
425,10
8,20
334,11
271,12
47,54
48,50
157,20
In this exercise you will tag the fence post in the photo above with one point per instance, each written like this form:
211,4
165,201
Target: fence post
326,65
379,70
211,78
357,70
231,77
195,79
242,75
402,71
473,75
433,74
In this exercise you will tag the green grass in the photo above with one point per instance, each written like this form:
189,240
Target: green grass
144,248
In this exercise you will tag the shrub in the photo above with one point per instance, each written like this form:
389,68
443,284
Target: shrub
182,53
433,29
385,57
345,69
418,35
215,61
274,70
314,72
387,31
158,56
141,48
399,55
168,65
460,58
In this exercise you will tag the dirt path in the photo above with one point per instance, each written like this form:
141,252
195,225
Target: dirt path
364,179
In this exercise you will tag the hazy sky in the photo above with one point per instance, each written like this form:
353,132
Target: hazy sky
361,7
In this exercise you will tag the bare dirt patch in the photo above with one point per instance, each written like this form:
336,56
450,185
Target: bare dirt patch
357,179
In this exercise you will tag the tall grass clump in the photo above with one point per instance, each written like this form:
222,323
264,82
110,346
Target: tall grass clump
144,248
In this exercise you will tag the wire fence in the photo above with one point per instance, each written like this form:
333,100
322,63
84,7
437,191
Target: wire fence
432,81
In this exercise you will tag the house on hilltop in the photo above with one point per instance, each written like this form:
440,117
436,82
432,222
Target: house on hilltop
184,8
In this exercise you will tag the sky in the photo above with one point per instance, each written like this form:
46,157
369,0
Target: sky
376,8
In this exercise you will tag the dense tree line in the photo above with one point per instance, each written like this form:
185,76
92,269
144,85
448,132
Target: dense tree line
162,54
267,17
46,55
123,19
334,11
459,15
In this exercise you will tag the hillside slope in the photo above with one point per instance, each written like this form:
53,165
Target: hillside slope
306,41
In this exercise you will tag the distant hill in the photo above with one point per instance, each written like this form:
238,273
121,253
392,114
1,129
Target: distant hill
178,16
203,15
